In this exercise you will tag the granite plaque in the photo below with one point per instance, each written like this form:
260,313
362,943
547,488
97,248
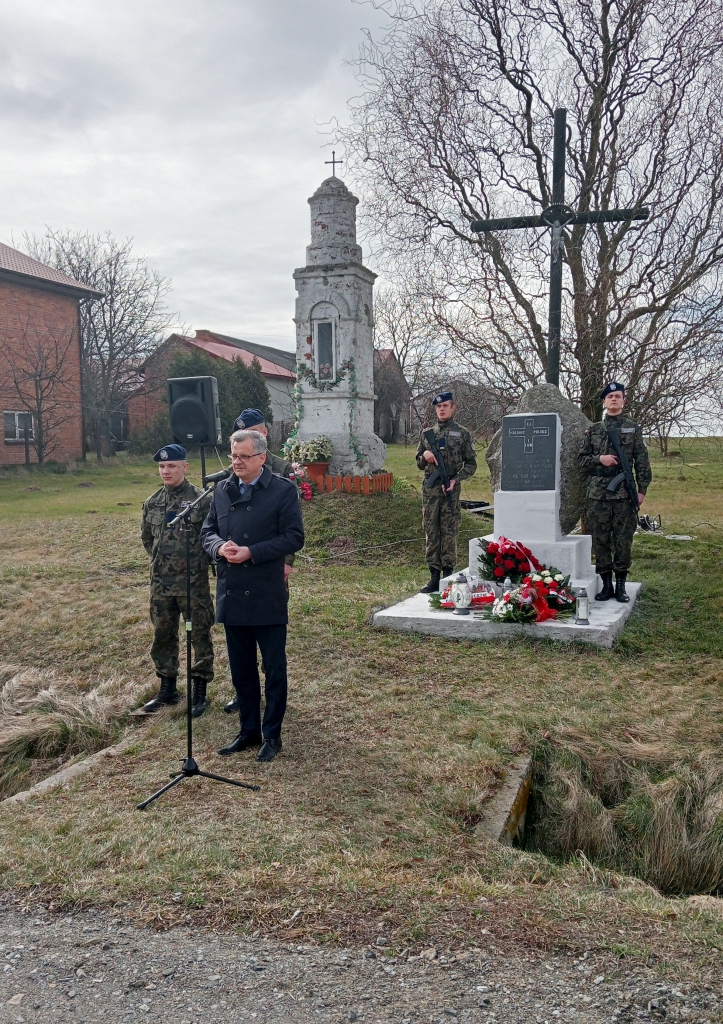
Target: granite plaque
529,453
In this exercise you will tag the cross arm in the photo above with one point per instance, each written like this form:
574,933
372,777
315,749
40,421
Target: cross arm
508,223
563,215
606,216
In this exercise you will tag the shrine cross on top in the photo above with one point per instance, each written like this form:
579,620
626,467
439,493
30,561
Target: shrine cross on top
558,216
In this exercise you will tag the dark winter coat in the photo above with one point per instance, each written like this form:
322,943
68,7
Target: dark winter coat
268,522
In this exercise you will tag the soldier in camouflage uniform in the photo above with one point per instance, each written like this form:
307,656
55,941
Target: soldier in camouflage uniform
612,515
167,549
441,524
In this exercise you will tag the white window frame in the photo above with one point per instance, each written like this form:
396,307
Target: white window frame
317,323
17,413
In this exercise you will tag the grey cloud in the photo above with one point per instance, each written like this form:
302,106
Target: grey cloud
193,127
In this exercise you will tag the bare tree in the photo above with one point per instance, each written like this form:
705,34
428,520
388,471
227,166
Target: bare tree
120,330
39,373
454,123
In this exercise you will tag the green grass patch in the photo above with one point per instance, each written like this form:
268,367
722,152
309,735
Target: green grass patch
393,742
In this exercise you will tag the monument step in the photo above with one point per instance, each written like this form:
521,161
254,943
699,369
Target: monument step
414,615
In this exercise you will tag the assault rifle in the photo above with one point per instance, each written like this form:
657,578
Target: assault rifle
626,473
440,471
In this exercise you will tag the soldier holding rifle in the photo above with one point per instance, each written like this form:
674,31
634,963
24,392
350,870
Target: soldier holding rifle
447,456
609,453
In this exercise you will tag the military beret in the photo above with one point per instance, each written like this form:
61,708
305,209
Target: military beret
443,396
610,388
170,453
248,419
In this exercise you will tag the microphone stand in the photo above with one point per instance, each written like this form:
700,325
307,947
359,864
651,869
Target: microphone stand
189,766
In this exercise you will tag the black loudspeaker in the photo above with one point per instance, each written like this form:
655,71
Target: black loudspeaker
193,410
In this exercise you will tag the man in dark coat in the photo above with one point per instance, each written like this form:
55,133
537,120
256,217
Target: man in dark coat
253,523
253,419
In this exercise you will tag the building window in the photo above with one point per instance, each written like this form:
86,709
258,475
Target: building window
325,368
15,424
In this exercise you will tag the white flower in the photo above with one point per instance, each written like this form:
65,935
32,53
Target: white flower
537,578
559,577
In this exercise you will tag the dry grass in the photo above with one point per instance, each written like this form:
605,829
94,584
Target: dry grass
392,745
47,719
644,807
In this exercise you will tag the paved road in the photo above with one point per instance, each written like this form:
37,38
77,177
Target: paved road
90,968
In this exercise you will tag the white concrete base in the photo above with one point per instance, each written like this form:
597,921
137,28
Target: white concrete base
414,615
571,555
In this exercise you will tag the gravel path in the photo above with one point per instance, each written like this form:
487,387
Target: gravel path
91,967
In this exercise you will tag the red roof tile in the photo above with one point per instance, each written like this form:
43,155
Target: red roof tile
15,262
223,350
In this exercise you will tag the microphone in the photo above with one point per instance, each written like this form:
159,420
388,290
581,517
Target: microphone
216,478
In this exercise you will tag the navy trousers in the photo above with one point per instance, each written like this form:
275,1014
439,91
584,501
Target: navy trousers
241,642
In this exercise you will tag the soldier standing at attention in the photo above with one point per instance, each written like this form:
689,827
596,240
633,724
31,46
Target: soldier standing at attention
167,548
442,523
612,511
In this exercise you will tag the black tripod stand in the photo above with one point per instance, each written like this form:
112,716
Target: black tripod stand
189,767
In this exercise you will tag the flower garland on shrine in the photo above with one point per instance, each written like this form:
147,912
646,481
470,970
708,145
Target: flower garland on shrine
305,373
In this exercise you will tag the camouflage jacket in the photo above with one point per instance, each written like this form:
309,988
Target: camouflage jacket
167,548
279,467
456,445
596,443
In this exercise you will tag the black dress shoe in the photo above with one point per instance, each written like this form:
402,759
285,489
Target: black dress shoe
231,706
239,743
269,750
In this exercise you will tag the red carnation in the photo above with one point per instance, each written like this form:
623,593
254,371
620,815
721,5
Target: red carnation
492,548
524,566
553,585
509,563
498,571
498,559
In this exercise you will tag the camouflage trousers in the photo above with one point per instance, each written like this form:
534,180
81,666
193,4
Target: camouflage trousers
166,612
441,529
612,525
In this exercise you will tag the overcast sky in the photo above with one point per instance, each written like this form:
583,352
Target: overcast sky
196,127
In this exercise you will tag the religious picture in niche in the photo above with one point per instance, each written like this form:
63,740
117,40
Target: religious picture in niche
325,351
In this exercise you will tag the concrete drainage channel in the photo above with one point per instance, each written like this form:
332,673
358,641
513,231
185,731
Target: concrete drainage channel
65,776
505,815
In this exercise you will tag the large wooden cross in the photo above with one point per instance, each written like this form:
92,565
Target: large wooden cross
558,216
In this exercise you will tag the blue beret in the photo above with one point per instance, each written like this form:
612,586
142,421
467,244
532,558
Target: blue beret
443,396
248,419
170,453
610,388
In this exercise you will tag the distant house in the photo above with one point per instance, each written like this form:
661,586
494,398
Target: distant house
277,367
40,360
393,409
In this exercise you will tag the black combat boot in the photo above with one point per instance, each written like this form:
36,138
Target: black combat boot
433,586
607,591
168,694
447,570
621,594
198,701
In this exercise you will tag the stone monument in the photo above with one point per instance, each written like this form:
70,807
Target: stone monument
334,336
527,505
547,398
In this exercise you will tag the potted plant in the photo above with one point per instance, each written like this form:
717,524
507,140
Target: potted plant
315,454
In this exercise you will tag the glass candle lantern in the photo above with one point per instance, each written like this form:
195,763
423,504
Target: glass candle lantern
461,595
582,608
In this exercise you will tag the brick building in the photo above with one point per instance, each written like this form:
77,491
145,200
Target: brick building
40,360
277,367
